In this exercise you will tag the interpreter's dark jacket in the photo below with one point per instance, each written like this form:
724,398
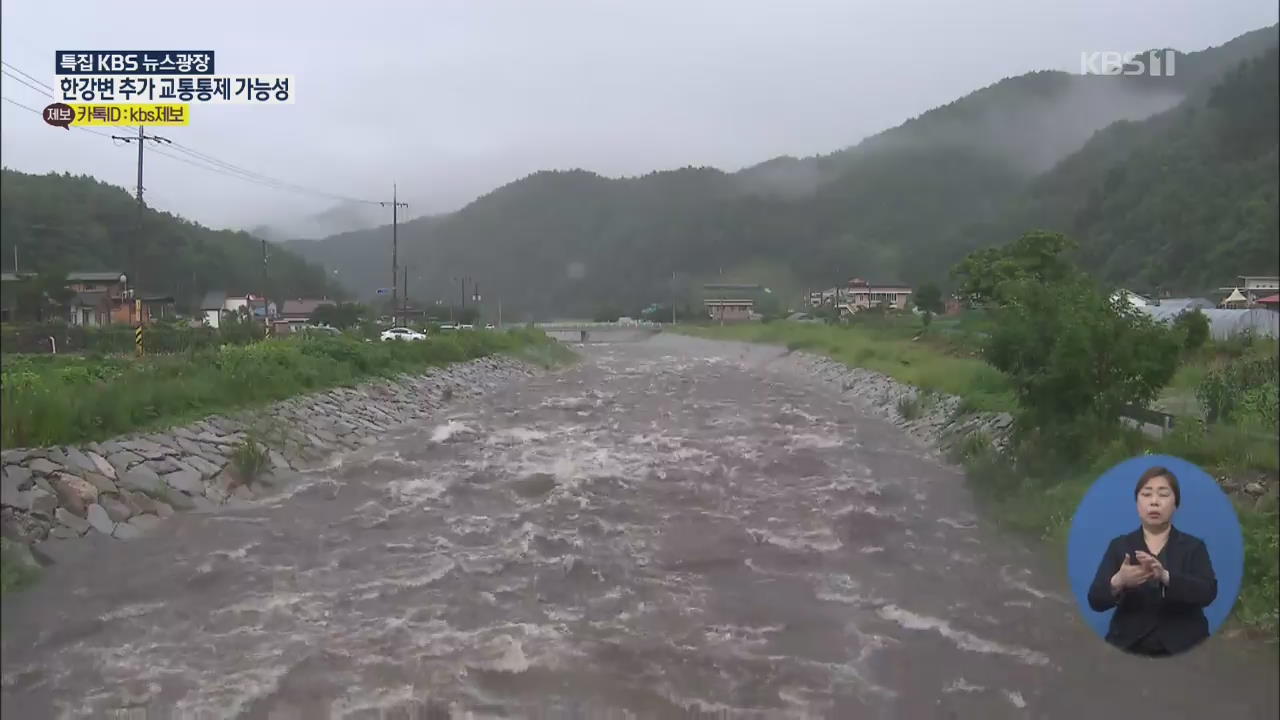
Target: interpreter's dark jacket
1155,619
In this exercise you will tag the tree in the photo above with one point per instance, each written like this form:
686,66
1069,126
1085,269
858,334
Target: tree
1193,326
42,297
239,328
1036,256
929,298
1077,357
341,315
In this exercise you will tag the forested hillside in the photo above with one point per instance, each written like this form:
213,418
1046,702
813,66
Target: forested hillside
903,205
1184,201
76,223
1167,181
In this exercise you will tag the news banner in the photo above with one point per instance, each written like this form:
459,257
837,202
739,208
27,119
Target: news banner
150,87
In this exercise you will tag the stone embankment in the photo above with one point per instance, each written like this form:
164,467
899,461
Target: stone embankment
935,418
120,488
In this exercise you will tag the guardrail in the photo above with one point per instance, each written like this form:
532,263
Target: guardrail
1147,416
589,325
1163,422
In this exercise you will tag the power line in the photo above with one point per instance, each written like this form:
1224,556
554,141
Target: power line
201,159
77,127
37,88
27,75
197,159
259,177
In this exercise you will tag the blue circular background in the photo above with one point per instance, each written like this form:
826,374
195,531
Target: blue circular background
1108,510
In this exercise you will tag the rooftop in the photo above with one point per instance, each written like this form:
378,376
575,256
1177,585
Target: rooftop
102,276
859,282
303,306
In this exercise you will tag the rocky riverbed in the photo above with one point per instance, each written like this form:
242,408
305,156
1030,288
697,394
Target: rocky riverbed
55,497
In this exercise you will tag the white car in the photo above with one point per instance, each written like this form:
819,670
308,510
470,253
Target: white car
468,326
489,326
402,333
448,326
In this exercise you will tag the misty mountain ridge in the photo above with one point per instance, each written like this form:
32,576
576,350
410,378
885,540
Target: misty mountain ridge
905,203
341,218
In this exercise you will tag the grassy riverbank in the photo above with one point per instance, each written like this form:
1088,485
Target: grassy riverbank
945,359
54,400
1037,499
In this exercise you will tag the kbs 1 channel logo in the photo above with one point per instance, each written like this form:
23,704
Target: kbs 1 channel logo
150,87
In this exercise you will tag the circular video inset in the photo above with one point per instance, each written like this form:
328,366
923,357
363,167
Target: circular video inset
1155,556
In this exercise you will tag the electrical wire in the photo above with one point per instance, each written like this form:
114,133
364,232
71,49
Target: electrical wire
194,157
37,88
77,127
27,75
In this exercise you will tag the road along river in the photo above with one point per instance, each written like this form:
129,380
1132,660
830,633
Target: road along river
671,526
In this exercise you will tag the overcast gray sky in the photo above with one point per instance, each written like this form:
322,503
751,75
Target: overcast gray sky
452,99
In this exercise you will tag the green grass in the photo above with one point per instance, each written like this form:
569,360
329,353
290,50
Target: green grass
250,459
1259,604
48,401
884,346
1228,449
547,356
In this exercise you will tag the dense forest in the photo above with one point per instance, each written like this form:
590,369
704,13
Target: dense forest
1182,202
1113,160
66,223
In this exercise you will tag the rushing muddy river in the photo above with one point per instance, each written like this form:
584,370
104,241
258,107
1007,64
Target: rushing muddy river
671,527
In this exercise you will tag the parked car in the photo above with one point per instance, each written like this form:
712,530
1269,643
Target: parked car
402,333
468,326
489,326
320,330
448,326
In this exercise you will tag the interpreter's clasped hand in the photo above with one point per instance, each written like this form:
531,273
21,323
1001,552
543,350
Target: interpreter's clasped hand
1153,567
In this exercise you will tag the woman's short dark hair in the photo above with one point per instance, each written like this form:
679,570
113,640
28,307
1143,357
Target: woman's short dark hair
1163,472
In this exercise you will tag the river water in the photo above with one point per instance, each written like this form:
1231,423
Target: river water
670,528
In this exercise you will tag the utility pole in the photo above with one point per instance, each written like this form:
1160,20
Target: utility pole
141,139
266,297
673,297
405,308
395,279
